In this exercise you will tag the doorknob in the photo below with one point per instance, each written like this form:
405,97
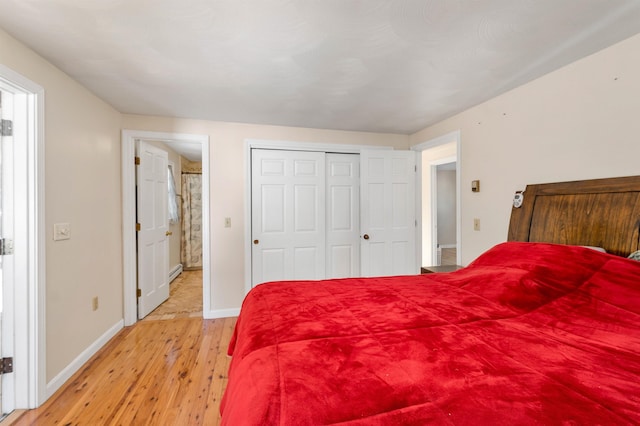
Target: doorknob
365,236
168,233
256,241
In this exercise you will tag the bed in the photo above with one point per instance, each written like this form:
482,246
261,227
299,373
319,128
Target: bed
537,330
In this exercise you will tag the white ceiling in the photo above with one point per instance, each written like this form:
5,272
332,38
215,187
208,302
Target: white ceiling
382,66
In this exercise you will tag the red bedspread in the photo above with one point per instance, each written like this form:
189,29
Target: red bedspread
527,334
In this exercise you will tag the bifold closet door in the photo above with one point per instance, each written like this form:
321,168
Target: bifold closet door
288,215
343,215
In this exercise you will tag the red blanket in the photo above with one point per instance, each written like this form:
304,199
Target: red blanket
527,334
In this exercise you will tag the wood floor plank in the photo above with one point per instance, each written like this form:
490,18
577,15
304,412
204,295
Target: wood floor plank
203,376
154,372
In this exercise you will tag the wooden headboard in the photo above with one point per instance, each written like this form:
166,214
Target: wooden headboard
599,212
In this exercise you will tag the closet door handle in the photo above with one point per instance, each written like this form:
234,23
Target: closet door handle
256,241
168,233
365,236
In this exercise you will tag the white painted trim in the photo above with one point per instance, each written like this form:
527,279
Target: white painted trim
129,215
432,143
222,313
448,246
433,169
437,141
434,204
75,365
177,270
289,146
30,343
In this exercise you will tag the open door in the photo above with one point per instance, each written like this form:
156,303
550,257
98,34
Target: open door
153,222
388,214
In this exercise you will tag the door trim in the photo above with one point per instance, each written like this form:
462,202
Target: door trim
129,218
289,146
29,199
433,165
432,143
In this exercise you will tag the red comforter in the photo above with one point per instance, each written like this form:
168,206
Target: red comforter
527,334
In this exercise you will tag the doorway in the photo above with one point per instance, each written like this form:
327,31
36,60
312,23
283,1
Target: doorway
22,180
433,154
182,216
173,140
443,202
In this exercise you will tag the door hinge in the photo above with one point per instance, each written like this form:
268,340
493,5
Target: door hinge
6,128
6,365
137,161
138,293
6,246
137,227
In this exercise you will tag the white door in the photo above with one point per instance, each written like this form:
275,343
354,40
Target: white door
343,215
288,215
5,227
388,222
152,212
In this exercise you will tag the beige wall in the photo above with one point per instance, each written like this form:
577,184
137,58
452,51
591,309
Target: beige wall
82,187
578,122
228,185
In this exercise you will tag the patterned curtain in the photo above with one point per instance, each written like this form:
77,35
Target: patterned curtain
192,221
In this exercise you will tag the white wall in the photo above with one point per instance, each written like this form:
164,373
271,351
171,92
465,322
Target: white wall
227,143
446,207
578,122
430,157
82,188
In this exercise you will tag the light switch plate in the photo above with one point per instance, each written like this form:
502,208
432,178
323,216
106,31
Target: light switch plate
61,231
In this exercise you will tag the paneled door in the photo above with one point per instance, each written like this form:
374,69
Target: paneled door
288,215
343,215
388,215
153,220
6,218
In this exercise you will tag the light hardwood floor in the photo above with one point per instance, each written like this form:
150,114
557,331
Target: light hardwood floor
156,372
448,256
185,298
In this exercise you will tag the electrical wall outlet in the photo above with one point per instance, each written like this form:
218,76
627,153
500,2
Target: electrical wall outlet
94,303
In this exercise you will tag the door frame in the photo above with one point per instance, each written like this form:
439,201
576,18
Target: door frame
433,166
129,217
433,143
281,145
29,247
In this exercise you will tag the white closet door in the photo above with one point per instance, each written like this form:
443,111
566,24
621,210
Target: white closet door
288,215
388,223
343,215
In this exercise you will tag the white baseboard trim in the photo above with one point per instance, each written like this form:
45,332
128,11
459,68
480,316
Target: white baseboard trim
221,313
75,365
177,270
445,246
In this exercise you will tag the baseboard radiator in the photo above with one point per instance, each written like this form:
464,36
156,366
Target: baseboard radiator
177,270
